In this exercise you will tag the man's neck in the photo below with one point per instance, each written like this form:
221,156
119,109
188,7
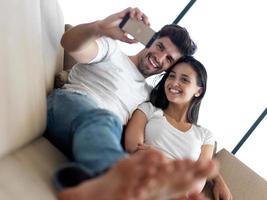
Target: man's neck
134,59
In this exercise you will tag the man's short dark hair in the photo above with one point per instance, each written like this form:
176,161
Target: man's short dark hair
180,37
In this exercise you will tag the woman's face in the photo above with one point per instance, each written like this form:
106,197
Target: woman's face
181,84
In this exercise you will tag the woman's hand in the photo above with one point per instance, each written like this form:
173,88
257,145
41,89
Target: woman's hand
221,190
143,147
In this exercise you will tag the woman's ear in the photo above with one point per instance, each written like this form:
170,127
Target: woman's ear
200,90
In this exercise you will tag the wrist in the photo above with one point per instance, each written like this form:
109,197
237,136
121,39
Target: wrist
218,180
101,28
98,28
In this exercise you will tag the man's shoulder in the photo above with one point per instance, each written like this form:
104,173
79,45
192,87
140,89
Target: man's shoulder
107,42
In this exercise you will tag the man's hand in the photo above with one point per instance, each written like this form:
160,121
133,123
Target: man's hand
110,25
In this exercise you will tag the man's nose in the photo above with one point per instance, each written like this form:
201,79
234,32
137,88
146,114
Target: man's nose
162,56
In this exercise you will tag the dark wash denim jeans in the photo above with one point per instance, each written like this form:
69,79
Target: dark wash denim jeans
90,136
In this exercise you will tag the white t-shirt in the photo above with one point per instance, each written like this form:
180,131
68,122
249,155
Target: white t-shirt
111,79
175,144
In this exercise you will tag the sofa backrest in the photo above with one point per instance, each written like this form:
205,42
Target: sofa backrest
30,55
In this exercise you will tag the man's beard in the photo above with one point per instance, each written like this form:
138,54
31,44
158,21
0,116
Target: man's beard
143,69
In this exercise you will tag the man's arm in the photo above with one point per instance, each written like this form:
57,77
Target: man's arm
80,41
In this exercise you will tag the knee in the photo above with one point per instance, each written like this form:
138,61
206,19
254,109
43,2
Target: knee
106,117
98,118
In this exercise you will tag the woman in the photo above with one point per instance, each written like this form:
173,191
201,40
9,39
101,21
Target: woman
169,121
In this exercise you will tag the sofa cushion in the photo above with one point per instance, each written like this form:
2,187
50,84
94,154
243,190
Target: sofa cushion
27,173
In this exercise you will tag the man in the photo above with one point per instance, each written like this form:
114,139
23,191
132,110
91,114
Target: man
85,118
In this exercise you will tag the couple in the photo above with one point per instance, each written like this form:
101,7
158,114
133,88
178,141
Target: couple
85,118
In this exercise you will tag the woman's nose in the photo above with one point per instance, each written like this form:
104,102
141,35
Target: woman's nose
176,82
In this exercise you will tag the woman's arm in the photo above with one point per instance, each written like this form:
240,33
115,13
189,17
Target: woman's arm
135,131
206,154
220,189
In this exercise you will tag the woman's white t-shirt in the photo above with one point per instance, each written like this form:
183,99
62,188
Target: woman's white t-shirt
175,144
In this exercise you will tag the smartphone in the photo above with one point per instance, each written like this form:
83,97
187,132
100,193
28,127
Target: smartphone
138,30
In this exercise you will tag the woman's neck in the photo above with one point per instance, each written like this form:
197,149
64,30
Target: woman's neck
178,113
177,117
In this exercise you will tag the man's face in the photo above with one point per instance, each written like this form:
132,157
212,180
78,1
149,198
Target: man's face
159,57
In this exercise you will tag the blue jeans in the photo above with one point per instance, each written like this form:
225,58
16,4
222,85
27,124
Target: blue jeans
90,136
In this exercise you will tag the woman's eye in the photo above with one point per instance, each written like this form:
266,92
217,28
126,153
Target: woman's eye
172,76
185,80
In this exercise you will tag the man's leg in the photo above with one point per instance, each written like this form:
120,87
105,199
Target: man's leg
129,177
96,142
62,109
143,177
88,135
182,178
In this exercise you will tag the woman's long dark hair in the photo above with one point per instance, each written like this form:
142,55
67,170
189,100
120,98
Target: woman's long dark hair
159,99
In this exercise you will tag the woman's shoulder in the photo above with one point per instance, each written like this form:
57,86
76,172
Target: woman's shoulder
201,129
148,107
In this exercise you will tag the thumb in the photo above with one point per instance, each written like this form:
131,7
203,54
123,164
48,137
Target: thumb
126,39
216,196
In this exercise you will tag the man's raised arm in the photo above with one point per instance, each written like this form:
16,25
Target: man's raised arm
80,41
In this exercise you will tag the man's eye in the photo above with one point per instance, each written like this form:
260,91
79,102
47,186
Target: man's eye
169,60
160,47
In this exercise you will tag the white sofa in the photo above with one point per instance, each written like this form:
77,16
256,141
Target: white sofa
31,55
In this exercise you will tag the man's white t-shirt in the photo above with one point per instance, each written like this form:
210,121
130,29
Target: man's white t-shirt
111,79
175,144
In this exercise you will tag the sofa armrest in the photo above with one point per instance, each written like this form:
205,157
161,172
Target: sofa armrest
242,181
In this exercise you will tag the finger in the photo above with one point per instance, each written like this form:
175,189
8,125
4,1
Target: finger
225,196
216,196
145,20
125,12
132,13
206,168
197,196
139,14
141,148
128,40
181,198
